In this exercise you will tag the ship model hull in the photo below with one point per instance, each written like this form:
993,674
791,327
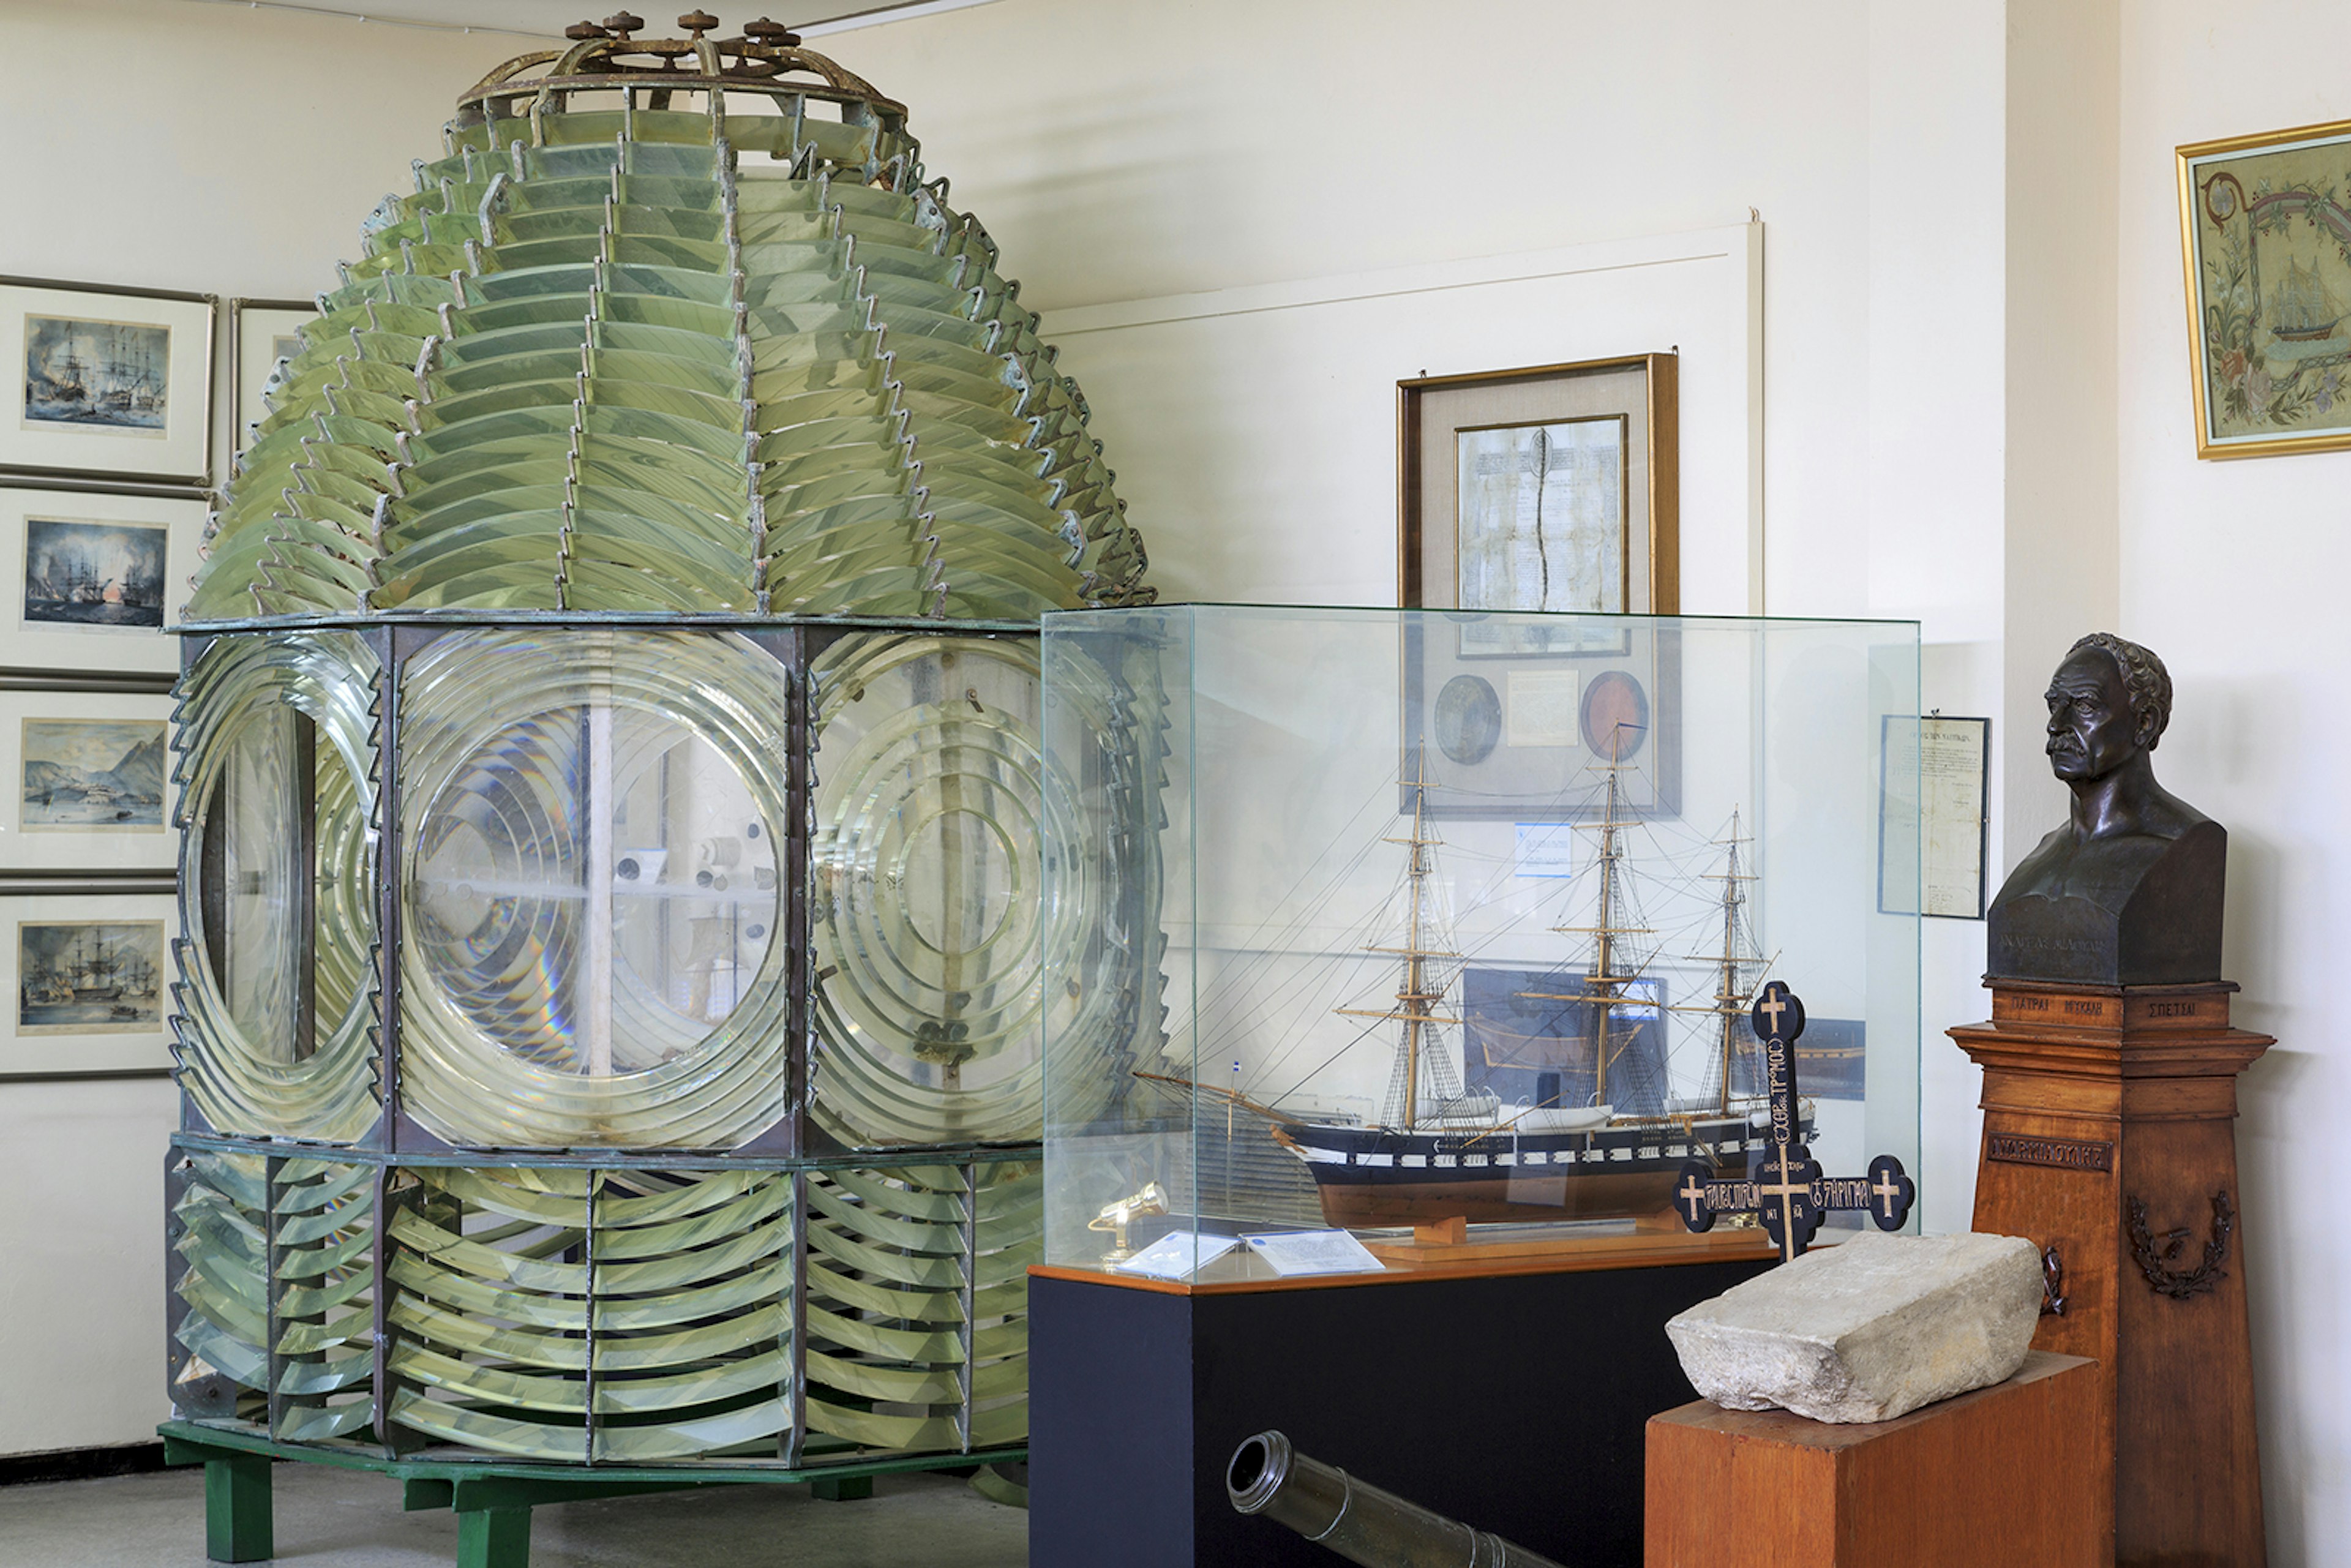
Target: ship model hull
1373,1176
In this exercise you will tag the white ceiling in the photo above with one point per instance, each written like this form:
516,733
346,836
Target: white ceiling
548,19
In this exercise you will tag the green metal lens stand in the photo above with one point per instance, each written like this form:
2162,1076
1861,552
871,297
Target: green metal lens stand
492,1499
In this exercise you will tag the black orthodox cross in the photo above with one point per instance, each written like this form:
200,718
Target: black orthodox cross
1783,1187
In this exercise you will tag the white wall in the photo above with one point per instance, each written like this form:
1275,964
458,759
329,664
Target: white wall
231,151
81,1261
2060,566
1933,445
1261,420
1170,150
2234,573
234,151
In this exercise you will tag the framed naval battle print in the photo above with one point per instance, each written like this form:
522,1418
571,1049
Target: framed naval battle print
2265,242
86,979
1554,487
103,382
89,579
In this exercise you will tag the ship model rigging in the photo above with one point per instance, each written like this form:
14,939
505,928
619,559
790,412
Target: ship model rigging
1437,1152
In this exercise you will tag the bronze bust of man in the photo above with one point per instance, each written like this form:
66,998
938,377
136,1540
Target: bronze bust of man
2127,893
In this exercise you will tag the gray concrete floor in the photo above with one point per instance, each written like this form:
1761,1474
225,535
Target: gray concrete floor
346,1519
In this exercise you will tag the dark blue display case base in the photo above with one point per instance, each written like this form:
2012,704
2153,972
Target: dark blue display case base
1512,1401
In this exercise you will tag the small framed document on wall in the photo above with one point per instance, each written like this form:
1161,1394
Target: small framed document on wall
1931,860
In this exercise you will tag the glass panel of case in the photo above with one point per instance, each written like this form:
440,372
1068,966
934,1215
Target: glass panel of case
1455,920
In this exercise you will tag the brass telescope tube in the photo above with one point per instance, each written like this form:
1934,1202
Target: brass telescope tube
1361,1523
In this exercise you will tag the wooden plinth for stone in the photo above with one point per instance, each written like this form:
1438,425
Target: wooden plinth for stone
1996,1479
2110,1134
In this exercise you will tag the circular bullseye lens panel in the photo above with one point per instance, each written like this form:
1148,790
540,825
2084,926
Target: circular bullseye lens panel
929,921
926,904
592,902
594,887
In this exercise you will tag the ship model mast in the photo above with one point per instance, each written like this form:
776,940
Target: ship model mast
1420,995
1612,971
1732,992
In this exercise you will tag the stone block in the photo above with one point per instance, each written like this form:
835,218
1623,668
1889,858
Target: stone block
1867,1330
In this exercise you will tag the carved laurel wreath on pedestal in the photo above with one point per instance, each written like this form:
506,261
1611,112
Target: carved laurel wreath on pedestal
2153,1255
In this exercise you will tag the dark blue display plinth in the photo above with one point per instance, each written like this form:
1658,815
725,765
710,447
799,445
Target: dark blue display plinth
1514,1401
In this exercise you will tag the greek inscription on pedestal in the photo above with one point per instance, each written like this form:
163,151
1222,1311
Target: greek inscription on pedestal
2061,1153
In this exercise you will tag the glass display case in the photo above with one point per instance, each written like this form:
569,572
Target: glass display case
1454,920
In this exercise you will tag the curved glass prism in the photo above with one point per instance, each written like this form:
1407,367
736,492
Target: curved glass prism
276,998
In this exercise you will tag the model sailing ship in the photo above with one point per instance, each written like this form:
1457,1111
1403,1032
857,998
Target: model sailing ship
2302,310
1438,1154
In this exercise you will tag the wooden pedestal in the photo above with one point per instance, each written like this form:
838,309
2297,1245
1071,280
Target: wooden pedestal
2003,1478
2110,1134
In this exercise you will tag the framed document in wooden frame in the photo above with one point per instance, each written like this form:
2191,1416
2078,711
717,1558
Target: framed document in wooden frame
1554,487
1931,850
2262,220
